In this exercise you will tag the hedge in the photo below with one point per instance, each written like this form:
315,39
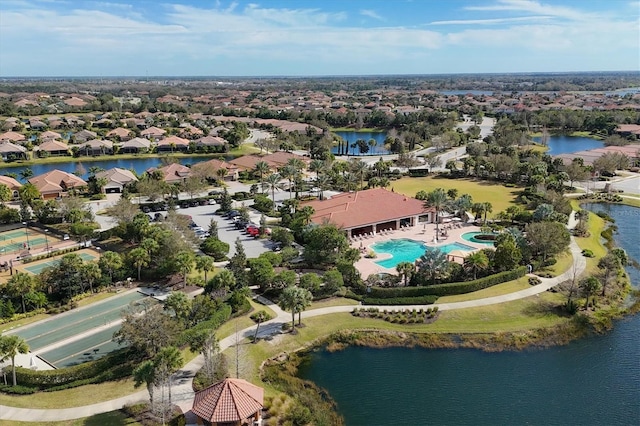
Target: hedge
418,300
51,254
112,366
449,288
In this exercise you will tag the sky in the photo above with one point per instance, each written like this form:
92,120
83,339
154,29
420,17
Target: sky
315,37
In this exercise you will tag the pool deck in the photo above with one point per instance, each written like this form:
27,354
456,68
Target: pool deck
425,233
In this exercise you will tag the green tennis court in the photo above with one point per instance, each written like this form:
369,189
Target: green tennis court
39,266
33,242
12,234
88,349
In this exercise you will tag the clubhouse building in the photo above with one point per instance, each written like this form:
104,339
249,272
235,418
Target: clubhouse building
371,211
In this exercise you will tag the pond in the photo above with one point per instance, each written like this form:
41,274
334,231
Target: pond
351,137
564,144
592,381
137,164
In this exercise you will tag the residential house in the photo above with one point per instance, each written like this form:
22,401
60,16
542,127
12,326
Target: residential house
12,136
135,146
37,124
173,173
52,148
12,184
116,179
248,162
282,157
49,136
120,134
211,142
212,166
57,183
360,212
10,151
84,135
96,147
173,144
153,133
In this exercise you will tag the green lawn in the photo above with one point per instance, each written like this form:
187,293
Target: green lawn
75,397
498,195
333,301
112,418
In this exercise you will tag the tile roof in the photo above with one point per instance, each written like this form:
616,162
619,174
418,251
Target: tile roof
248,162
281,157
356,209
56,181
52,145
12,136
10,182
137,143
174,172
176,140
8,147
153,131
230,400
118,175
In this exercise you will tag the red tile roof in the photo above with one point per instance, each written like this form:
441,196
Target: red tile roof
356,209
56,181
248,162
230,400
281,157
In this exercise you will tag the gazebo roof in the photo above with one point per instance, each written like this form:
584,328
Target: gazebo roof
230,400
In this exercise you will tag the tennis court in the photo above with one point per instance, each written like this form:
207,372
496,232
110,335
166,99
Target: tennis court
77,321
14,241
39,265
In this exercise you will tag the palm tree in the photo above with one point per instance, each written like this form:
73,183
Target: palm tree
110,262
221,173
259,317
26,173
184,261
351,180
488,208
289,172
303,301
272,183
316,166
20,284
150,245
262,168
5,194
90,272
437,199
589,287
139,258
462,204
359,168
322,182
405,269
476,261
204,264
297,164
145,373
433,263
289,302
10,346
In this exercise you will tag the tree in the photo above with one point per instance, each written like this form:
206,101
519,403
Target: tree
139,258
123,211
261,272
433,264
359,168
150,245
184,262
205,342
259,317
20,284
238,264
487,208
433,161
213,228
110,262
216,248
316,166
476,261
26,173
10,346
178,303
90,272
436,199
325,245
222,280
589,286
576,172
167,361
5,193
406,270
204,264
507,255
150,332
28,193
294,299
547,238
262,168
272,183
610,265
145,373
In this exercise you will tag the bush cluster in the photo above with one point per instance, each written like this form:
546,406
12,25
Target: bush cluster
416,300
588,253
414,316
50,254
444,289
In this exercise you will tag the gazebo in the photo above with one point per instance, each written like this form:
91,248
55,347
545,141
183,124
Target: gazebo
231,402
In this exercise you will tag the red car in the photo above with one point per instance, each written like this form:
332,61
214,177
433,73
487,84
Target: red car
254,231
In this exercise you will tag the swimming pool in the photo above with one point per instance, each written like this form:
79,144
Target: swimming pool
471,236
406,250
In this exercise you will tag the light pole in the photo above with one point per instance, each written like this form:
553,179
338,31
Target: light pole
26,232
46,240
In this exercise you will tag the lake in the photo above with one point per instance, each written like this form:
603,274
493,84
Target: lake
563,144
592,381
351,137
137,164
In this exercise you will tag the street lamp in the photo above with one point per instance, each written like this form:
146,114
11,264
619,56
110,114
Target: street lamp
26,232
46,240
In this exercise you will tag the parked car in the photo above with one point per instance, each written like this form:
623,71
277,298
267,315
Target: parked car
232,214
158,217
212,202
193,203
184,205
146,209
253,231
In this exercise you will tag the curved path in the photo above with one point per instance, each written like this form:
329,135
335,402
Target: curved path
183,393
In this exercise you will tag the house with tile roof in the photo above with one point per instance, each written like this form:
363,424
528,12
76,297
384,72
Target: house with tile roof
173,173
12,136
135,146
84,135
57,183
12,184
96,147
370,211
153,133
120,133
49,135
52,148
117,179
173,144
10,151
210,141
230,402
282,157
248,162
214,165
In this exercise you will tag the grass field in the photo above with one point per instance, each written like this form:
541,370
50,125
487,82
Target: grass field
112,418
498,195
496,290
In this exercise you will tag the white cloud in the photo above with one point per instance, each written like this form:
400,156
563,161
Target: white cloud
371,14
491,21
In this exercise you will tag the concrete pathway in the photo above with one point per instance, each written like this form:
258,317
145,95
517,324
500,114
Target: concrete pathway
182,390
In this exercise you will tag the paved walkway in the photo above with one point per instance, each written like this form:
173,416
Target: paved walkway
182,391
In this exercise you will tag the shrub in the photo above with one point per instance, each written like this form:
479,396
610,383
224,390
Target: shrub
417,300
267,316
534,280
587,253
18,389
